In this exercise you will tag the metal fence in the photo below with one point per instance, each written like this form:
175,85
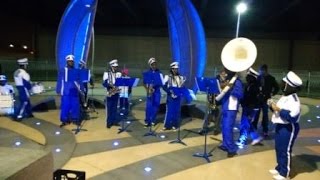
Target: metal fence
47,71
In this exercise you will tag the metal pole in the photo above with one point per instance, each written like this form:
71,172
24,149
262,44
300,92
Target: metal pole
238,24
93,48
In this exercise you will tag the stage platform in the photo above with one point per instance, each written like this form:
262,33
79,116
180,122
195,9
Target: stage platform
104,154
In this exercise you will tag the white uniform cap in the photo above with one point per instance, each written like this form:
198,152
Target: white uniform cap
22,61
151,60
70,57
292,79
3,78
253,73
174,65
113,63
83,62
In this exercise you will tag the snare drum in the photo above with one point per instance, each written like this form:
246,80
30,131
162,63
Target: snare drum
6,104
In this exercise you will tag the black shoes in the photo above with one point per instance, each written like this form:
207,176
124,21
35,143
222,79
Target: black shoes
63,124
231,154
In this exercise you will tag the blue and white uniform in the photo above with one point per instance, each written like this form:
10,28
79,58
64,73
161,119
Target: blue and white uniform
111,101
173,111
23,85
7,96
153,99
230,105
5,89
68,86
287,125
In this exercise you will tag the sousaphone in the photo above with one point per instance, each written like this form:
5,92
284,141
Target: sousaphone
239,54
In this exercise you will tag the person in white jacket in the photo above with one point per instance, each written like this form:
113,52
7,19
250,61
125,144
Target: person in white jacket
23,85
286,115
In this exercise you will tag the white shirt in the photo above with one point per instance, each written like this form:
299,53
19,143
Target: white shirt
111,76
290,103
5,90
174,81
19,75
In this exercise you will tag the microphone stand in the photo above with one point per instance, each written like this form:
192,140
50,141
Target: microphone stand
205,155
178,140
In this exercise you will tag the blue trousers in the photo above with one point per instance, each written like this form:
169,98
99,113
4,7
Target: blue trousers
228,120
285,137
265,118
246,127
173,112
70,109
152,107
111,104
24,108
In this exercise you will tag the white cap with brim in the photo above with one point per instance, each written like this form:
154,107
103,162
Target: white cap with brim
174,65
22,61
114,63
3,78
292,79
70,57
253,73
151,60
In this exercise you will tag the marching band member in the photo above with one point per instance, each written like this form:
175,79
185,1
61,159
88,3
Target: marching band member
173,113
249,109
68,87
23,85
230,106
111,101
125,92
286,116
153,95
5,89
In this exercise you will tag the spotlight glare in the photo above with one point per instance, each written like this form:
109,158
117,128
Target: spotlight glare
318,106
116,143
241,7
309,120
147,169
88,5
58,150
121,114
18,143
11,45
25,47
128,122
318,117
38,123
57,133
162,136
318,140
140,100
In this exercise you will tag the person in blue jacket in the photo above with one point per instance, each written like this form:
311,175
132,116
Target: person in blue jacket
112,98
230,105
23,85
286,116
69,88
153,92
173,113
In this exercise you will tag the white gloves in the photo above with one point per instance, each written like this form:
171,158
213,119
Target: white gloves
270,102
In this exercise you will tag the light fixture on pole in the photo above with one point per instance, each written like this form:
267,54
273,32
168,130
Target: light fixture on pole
241,8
